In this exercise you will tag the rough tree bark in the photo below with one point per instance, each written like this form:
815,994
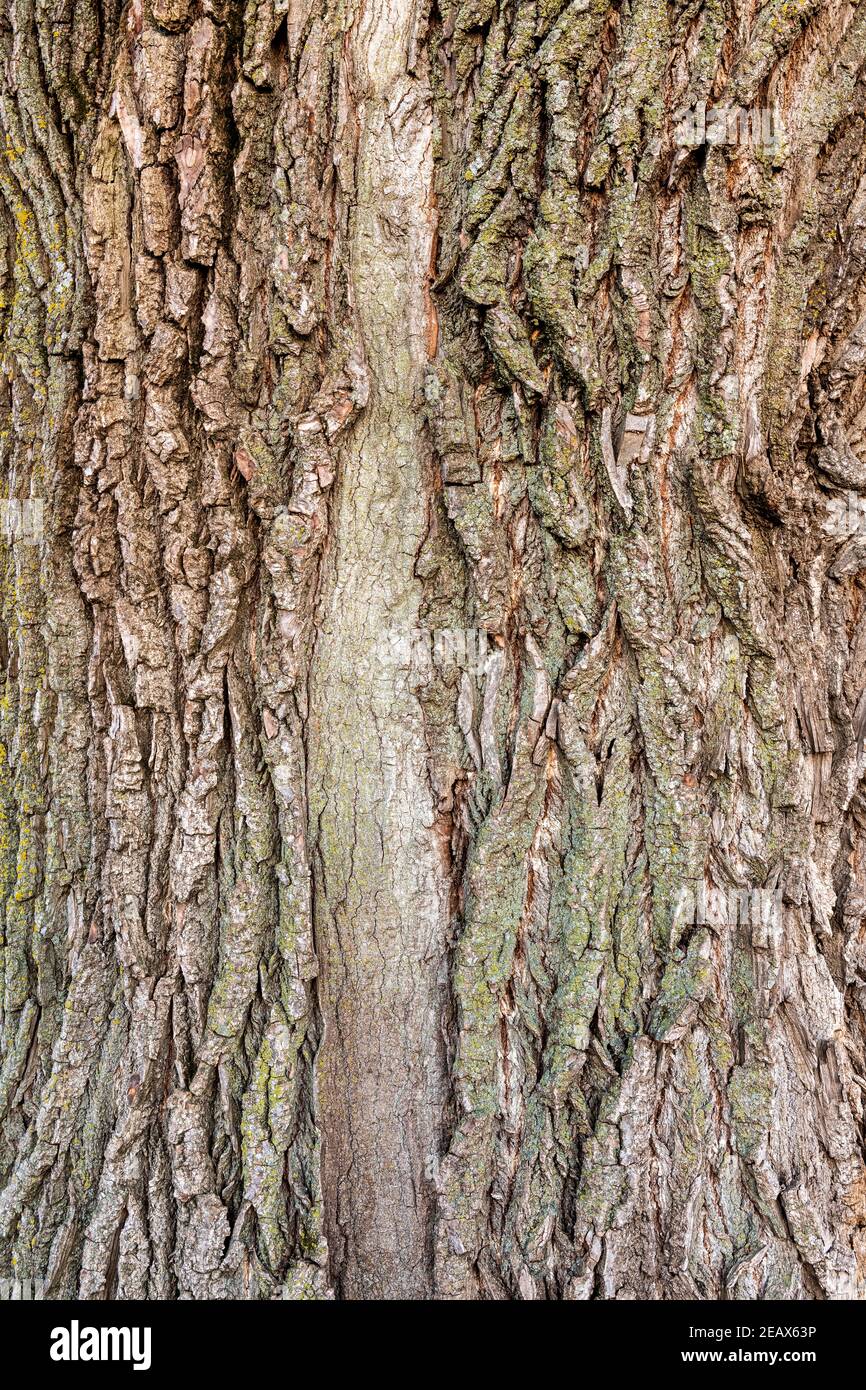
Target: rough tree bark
435,606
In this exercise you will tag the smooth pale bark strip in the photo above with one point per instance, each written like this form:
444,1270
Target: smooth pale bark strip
380,881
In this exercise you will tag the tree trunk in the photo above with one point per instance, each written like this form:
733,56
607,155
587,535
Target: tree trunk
433,707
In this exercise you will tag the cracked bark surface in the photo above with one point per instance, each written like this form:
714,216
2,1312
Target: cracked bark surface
436,594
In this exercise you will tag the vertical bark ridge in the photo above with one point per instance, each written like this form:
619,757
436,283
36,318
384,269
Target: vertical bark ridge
159,1137
635,326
